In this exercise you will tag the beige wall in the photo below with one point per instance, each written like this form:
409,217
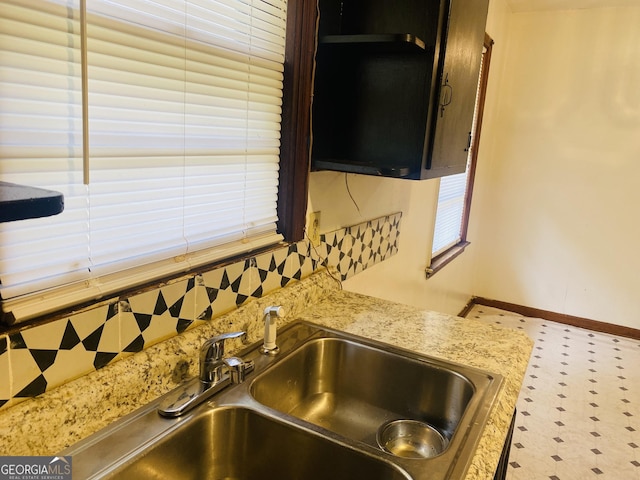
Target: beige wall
402,278
559,221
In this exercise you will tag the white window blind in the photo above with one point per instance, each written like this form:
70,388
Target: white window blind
449,213
183,108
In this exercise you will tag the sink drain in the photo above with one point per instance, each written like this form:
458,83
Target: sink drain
410,439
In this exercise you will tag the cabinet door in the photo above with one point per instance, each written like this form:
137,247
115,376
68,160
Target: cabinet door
453,117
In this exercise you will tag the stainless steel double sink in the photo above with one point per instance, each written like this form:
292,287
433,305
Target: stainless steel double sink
314,411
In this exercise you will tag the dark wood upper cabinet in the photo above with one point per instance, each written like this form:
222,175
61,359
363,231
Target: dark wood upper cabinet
395,85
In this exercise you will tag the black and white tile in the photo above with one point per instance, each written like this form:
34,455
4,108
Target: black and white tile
579,406
359,247
51,354
40,358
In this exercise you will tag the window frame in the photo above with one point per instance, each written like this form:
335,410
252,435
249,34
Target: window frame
293,186
442,259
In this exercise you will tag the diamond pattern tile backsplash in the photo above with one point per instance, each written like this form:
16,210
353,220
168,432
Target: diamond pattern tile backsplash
43,357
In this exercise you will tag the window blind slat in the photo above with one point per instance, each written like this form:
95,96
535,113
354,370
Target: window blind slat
40,141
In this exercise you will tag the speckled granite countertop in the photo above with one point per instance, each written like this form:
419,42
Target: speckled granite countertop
49,423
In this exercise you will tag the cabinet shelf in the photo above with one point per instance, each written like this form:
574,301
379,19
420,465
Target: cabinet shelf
393,42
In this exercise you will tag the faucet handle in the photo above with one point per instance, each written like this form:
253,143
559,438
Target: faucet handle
216,344
224,336
238,368
212,351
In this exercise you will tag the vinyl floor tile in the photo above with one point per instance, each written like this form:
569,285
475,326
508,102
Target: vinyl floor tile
579,406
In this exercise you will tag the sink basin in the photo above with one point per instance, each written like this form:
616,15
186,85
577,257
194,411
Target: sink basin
353,389
318,409
237,443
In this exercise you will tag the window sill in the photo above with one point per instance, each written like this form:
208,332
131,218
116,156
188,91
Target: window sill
437,263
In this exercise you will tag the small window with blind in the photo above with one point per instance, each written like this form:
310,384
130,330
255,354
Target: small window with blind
454,195
159,121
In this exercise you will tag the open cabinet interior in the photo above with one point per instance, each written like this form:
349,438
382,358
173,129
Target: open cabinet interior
379,69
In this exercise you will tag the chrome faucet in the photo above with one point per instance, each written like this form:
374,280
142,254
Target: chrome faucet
271,314
216,373
212,362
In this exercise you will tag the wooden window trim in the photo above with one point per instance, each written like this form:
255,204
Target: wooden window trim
444,258
484,81
302,18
